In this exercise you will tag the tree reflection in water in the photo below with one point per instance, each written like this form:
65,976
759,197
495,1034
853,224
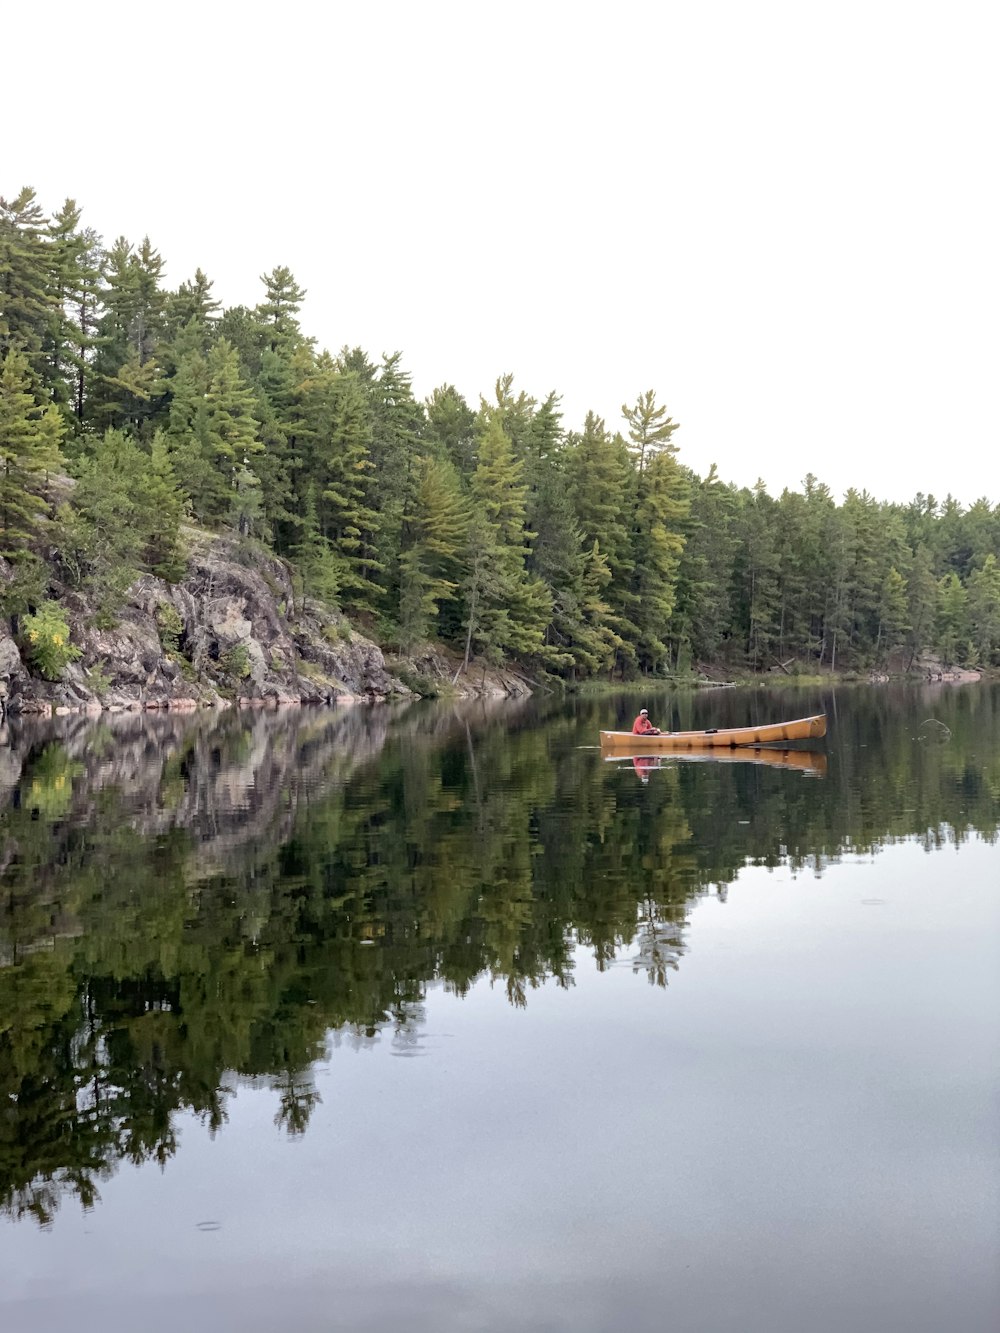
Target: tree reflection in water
187,904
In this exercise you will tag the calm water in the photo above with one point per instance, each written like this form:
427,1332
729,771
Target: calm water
431,1019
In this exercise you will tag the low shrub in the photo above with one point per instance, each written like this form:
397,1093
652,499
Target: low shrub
46,640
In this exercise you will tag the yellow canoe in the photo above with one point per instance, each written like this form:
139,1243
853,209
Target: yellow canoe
717,738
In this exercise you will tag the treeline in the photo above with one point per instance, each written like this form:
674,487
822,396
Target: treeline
495,528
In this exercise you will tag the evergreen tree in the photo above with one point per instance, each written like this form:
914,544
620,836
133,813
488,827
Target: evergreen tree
515,414
435,536
282,465
657,546
756,588
702,613
337,427
893,613
922,595
950,630
192,301
30,438
507,609
110,521
213,432
74,257
278,313
397,422
244,331
26,299
451,426
318,564
126,377
649,428
164,505
984,610
599,477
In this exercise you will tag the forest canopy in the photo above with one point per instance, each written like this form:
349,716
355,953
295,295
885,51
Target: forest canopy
498,528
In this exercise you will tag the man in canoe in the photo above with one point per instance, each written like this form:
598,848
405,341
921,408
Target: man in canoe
642,725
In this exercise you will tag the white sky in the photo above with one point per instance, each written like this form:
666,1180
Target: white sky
783,217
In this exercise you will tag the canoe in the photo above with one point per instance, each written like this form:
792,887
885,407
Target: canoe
806,761
718,738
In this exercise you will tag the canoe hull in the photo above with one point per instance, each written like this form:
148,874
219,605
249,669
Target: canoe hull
776,733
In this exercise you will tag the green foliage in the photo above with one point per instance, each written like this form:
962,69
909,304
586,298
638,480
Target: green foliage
235,661
30,438
105,529
156,966
27,585
435,534
98,680
649,428
49,791
170,626
337,631
499,531
46,642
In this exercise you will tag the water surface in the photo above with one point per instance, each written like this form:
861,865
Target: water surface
432,1018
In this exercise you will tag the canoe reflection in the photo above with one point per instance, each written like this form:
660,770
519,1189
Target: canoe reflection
811,762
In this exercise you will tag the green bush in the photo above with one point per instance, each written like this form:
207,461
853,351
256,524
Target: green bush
99,680
236,662
170,625
46,640
337,632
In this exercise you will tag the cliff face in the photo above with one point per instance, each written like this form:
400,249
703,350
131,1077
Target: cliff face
231,630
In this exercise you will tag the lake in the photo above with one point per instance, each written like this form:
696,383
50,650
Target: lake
430,1018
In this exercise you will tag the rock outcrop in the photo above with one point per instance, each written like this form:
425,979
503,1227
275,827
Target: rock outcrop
232,631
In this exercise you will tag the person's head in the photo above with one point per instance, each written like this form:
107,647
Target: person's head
644,712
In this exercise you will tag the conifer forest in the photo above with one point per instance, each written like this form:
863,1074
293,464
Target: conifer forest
131,410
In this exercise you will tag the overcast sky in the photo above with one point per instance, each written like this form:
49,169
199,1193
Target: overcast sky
783,217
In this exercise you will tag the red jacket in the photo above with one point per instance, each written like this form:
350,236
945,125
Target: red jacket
643,727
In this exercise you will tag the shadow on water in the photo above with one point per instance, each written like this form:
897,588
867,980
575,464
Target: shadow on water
188,903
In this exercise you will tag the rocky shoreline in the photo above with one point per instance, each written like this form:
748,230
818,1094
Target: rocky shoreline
233,632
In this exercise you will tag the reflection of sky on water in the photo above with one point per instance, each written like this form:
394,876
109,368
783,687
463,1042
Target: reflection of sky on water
799,1133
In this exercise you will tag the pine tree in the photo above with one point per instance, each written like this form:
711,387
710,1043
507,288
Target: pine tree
601,479
922,595
107,523
74,259
508,609
192,301
597,642
649,428
26,299
278,313
951,628
702,612
984,610
318,564
515,414
893,613
126,375
337,431
283,463
164,504
213,433
397,422
30,438
756,566
435,536
657,546
451,426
